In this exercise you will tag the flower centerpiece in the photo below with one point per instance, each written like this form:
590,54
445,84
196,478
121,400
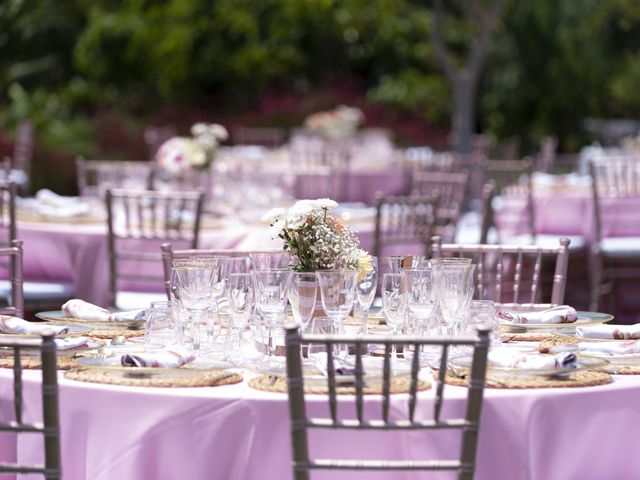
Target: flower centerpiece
340,123
318,239
180,154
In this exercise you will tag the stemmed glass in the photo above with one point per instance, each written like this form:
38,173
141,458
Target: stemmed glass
195,279
454,289
241,294
271,288
366,286
338,294
394,301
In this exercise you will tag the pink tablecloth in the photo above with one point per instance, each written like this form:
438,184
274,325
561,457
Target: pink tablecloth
567,213
236,433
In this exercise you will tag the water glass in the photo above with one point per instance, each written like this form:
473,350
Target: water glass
454,290
483,312
366,286
303,293
421,300
162,329
271,290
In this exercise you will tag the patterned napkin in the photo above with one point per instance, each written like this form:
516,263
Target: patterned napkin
560,314
71,342
87,311
617,332
15,325
509,358
162,359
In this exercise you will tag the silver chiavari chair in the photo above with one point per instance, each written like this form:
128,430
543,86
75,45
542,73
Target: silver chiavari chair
451,189
614,255
95,177
301,423
13,291
168,254
409,220
513,275
141,220
50,425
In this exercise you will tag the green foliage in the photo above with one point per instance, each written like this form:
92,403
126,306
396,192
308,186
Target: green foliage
551,64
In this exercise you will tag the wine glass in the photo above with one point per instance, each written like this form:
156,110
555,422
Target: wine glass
195,279
241,295
338,293
366,286
271,288
302,294
394,302
454,289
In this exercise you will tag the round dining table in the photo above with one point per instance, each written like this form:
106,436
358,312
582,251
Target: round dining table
234,432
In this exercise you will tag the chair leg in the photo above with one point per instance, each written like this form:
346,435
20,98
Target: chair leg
596,280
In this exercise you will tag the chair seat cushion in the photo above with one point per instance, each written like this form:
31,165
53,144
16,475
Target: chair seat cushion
136,300
615,247
41,291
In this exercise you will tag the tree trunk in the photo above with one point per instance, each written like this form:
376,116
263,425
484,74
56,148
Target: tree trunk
464,93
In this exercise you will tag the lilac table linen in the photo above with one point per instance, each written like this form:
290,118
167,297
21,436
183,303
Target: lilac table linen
237,433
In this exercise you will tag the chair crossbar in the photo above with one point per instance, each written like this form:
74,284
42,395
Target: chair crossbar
14,468
319,339
397,425
21,427
427,465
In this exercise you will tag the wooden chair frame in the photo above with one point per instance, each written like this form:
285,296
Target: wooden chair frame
490,261
300,423
150,226
615,178
50,427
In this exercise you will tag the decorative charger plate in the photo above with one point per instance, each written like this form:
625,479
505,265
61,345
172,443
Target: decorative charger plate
73,330
463,363
59,316
584,319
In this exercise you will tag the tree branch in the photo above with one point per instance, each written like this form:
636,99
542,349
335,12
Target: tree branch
438,42
488,20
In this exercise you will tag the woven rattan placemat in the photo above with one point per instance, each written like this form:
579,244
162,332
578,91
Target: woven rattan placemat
525,337
201,378
585,378
113,332
33,362
269,383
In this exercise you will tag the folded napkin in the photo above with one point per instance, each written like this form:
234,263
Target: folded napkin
162,359
65,211
610,348
15,325
71,342
87,311
617,332
509,358
47,197
560,314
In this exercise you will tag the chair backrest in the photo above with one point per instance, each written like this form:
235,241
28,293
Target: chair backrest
507,172
300,423
405,220
168,254
545,160
265,136
140,220
8,193
95,177
451,189
512,275
11,268
50,425
613,179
